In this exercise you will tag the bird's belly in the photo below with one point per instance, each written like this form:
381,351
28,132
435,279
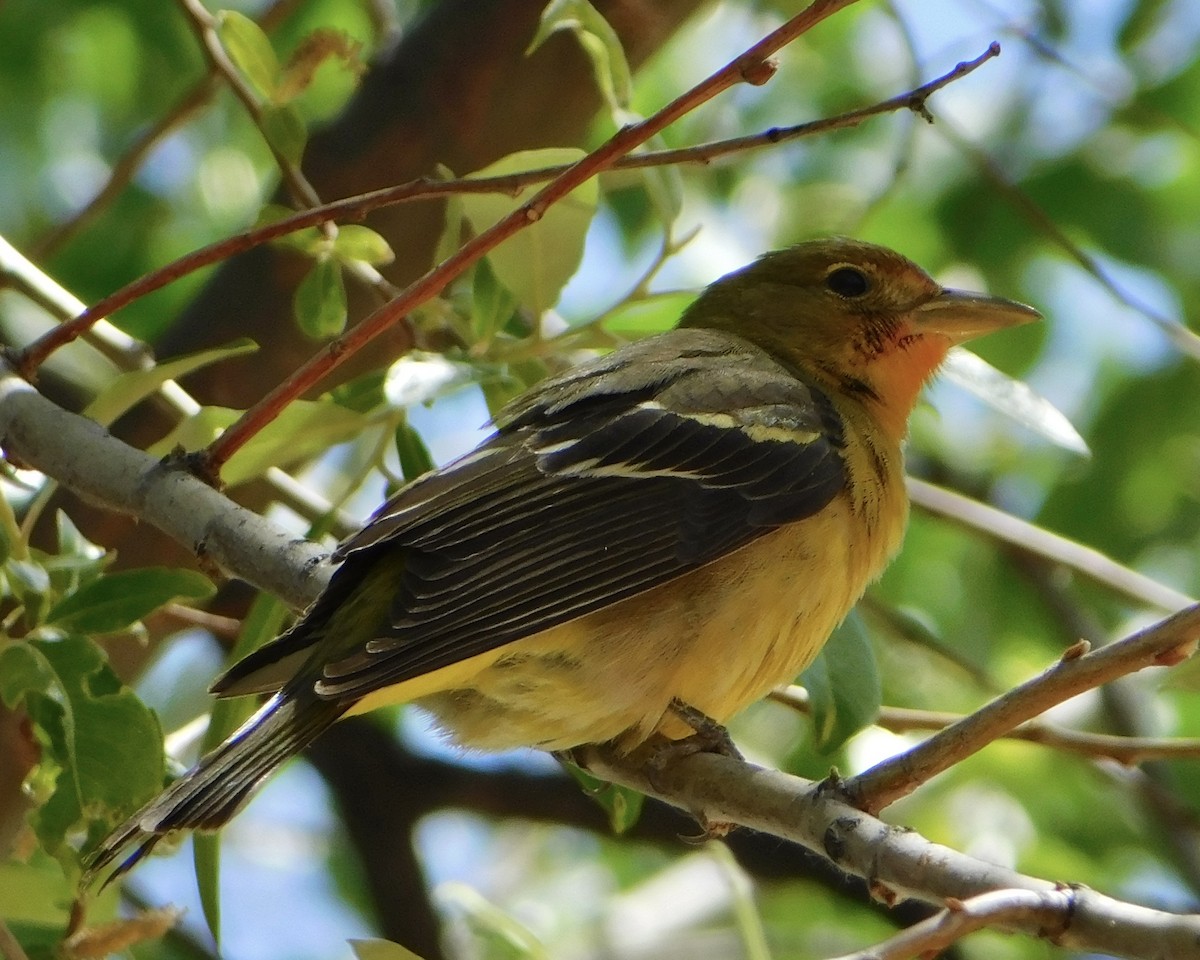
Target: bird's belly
718,640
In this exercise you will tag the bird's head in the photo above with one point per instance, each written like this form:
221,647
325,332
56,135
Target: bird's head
854,318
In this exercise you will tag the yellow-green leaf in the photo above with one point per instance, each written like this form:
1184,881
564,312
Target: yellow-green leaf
320,301
250,50
356,242
599,41
535,263
118,600
285,131
130,388
303,430
374,949
843,685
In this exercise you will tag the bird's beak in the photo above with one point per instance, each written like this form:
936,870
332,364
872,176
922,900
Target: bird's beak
961,315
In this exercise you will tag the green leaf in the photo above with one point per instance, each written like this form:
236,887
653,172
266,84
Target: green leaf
491,303
196,431
263,623
355,242
622,804
40,941
535,263
29,582
104,742
304,429
23,670
414,455
206,860
375,949
1013,398
655,313
119,600
286,131
843,685
599,41
250,50
10,530
362,394
320,301
36,892
128,389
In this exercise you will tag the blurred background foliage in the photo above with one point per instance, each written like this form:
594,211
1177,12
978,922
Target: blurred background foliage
1066,174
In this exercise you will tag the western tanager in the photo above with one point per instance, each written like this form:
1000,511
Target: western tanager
669,530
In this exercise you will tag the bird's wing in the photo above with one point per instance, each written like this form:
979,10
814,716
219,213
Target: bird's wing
614,478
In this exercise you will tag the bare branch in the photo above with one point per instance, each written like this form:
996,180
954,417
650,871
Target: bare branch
1038,541
1098,746
1166,643
1050,910
87,459
898,862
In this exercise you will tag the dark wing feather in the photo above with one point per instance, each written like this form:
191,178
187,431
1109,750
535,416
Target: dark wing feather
598,488
603,483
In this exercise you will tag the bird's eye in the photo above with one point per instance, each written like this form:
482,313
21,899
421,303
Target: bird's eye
848,282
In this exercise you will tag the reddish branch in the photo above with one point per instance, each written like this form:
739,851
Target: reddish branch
356,208
750,67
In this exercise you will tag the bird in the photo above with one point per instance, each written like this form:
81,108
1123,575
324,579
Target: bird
649,541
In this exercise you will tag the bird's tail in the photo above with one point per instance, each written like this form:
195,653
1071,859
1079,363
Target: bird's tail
208,795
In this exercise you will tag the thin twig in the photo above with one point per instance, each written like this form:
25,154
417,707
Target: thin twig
1049,910
122,350
356,208
126,354
223,628
750,67
1040,542
1187,342
206,27
128,164
303,193
10,949
1124,750
1128,709
1166,643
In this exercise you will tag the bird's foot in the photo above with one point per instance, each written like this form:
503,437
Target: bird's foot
708,736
